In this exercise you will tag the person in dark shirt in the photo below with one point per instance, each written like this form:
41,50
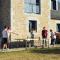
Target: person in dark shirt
32,34
44,36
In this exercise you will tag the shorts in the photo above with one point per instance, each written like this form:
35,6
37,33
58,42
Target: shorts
4,40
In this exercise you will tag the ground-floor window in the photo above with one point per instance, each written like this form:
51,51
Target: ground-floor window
58,27
32,25
58,34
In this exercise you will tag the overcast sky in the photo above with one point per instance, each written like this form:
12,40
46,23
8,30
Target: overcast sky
59,0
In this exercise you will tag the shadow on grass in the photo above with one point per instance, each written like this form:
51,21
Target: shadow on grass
46,50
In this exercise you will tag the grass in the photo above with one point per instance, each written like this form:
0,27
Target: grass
32,54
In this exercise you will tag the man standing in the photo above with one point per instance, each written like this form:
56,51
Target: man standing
4,38
44,37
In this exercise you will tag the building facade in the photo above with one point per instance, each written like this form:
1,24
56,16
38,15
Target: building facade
25,15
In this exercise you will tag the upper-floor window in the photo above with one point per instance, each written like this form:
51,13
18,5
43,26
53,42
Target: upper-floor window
54,4
32,6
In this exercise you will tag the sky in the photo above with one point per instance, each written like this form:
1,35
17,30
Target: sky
59,0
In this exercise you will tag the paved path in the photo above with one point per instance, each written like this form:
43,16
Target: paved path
11,50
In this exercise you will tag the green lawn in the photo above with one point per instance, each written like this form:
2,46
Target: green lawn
32,54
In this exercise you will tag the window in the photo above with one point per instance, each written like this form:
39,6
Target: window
32,25
58,27
54,4
32,6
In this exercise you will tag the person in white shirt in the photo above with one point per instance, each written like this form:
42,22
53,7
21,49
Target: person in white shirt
4,38
53,37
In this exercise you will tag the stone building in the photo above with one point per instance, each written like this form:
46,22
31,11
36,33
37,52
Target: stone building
25,15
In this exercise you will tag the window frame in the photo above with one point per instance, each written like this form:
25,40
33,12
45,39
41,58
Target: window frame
36,4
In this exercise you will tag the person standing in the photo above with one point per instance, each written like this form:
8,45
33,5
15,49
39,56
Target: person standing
4,38
9,31
53,37
32,34
44,37
9,36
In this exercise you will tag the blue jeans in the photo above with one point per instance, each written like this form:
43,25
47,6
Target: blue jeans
53,41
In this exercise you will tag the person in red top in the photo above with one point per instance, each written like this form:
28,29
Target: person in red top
44,37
